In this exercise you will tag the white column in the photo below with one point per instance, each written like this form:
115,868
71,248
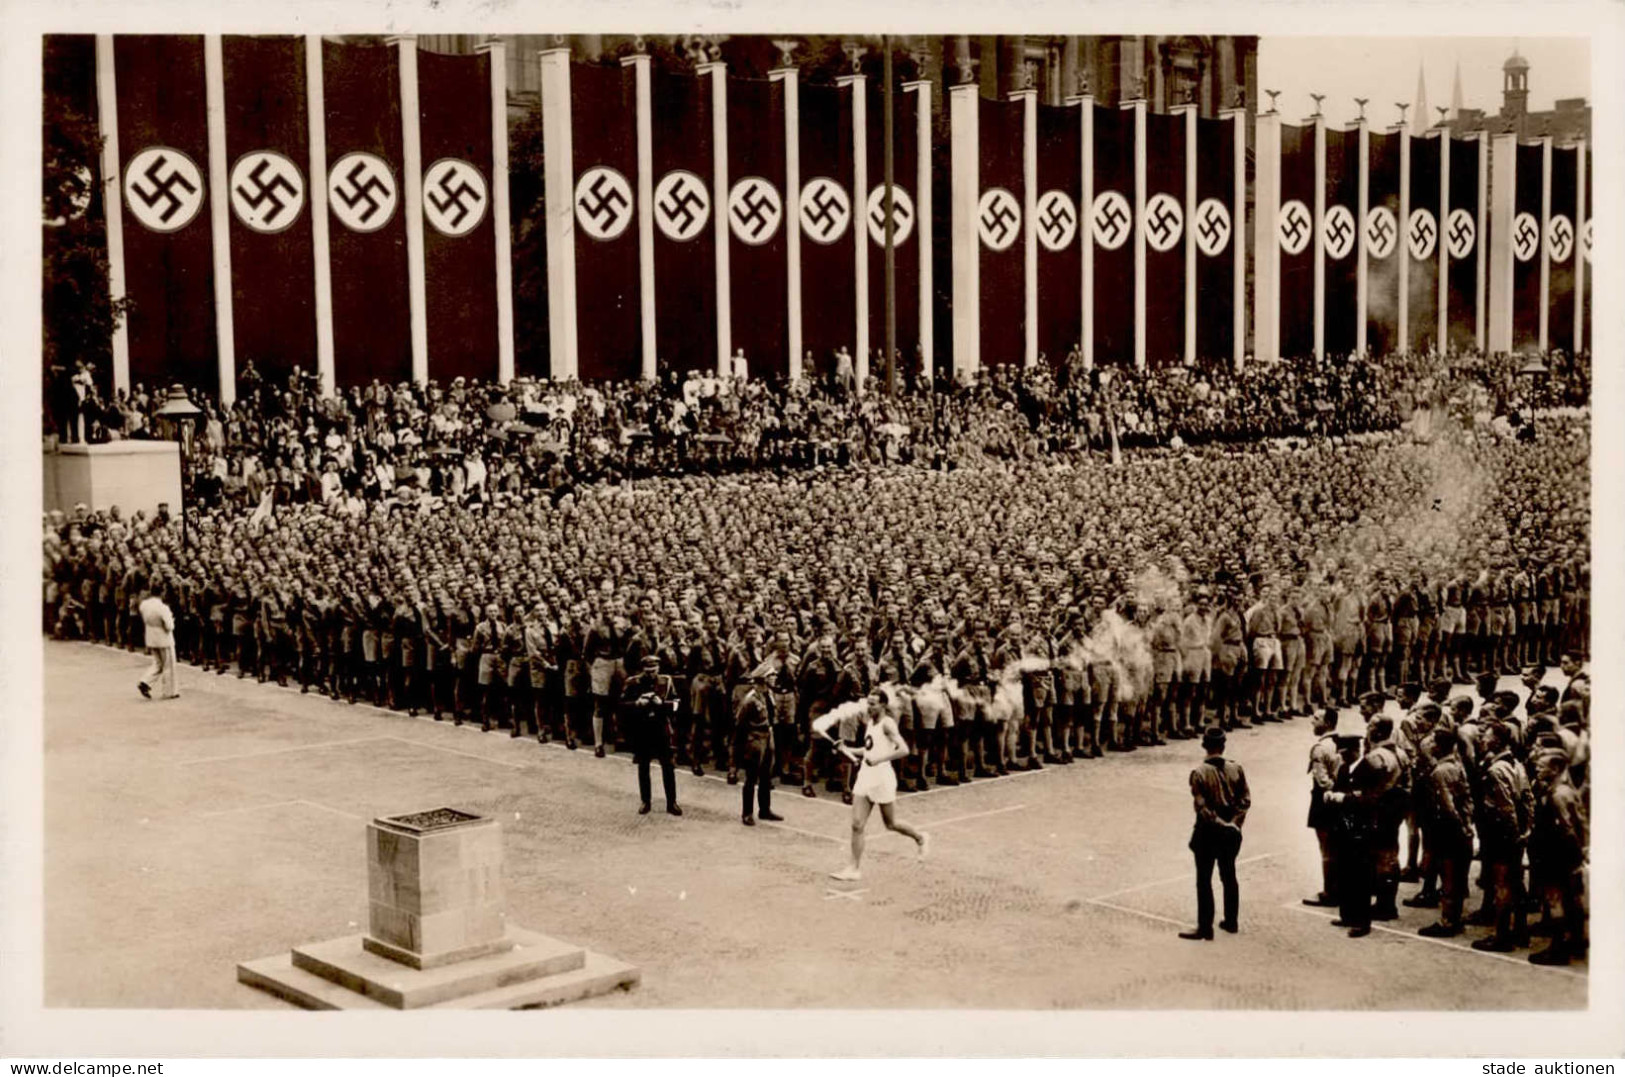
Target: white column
718,74
1029,209
965,160
1086,228
1443,304
1320,236
406,46
1238,236
558,192
1139,232
225,333
1266,242
857,86
316,111
1545,229
112,201
1480,259
1189,112
1361,298
1579,252
498,52
922,220
1402,250
791,77
1503,184
649,366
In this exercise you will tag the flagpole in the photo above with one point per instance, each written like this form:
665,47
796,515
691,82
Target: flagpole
891,226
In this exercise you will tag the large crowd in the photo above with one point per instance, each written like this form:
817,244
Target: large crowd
1032,570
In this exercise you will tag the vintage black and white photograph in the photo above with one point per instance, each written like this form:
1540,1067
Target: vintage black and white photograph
814,521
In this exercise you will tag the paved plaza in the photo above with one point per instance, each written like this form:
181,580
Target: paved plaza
182,837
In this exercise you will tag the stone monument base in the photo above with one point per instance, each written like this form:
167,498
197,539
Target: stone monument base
438,937
532,971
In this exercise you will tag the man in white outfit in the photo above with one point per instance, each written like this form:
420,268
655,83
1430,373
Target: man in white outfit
160,631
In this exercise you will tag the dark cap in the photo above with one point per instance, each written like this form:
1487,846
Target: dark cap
1213,739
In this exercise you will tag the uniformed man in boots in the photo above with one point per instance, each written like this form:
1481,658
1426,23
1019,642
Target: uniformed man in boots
1449,815
1219,789
648,708
1324,762
753,751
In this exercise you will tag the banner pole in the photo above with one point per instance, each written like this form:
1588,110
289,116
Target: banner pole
1542,252
214,84
1320,236
1139,233
891,228
1443,302
1086,230
412,165
112,202
965,161
500,219
789,76
558,172
922,226
859,104
717,72
1362,299
1580,210
320,241
1402,249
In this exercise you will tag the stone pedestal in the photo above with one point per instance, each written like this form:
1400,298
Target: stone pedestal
438,935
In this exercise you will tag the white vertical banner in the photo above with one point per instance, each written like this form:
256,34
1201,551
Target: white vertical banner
558,192
642,92
1189,112
412,167
1444,248
113,201
791,77
858,86
1266,245
225,332
320,244
965,162
1545,231
1139,107
718,73
1503,188
1320,236
1400,252
1029,213
1361,289
922,214
1580,222
1480,257
1086,234
1238,236
502,225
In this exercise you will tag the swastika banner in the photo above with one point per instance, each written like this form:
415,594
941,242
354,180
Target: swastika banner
1526,248
268,166
1384,244
828,298
1560,249
1422,244
1111,229
685,243
999,228
1164,226
1340,239
905,241
372,331
757,226
164,174
604,190
1459,234
1295,234
1216,232
1584,246
1056,220
459,239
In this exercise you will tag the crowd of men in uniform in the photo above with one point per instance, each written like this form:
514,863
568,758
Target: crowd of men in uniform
1060,604
1509,767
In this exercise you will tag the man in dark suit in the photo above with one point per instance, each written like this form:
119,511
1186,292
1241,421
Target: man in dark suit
1219,789
648,705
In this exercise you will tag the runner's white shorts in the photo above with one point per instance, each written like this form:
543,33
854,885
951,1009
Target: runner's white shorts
878,783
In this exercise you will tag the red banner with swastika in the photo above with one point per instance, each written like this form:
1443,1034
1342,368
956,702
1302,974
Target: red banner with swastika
999,229
459,238
1110,221
758,251
1060,263
1560,249
1216,233
164,177
1421,233
603,129
1340,235
1295,234
685,244
828,298
1459,232
1384,243
268,161
1164,226
1526,248
372,330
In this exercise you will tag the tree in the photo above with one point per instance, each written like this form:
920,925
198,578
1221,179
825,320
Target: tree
527,210
79,312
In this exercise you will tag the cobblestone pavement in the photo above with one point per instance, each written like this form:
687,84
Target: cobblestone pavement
187,835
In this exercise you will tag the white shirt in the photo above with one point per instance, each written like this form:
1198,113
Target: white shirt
159,622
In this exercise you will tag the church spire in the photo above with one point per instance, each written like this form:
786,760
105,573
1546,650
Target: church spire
1419,113
1455,95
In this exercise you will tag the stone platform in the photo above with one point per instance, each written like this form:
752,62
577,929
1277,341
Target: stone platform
341,974
439,933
